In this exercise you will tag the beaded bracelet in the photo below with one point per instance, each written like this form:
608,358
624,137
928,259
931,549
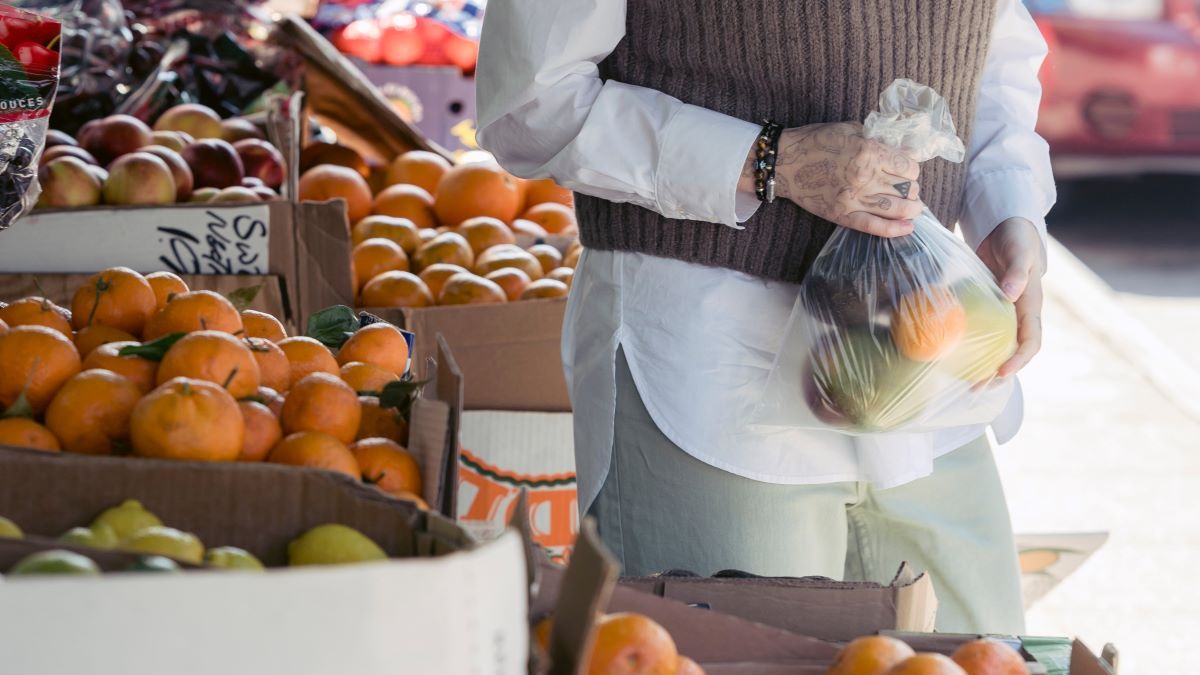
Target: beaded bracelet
765,153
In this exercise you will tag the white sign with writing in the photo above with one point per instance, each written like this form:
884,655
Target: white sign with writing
226,239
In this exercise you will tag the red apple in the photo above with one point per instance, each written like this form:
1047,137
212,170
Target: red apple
139,178
179,170
399,41
262,161
214,163
360,38
67,151
170,139
55,137
68,182
235,195
99,172
198,120
235,129
265,193
252,182
114,136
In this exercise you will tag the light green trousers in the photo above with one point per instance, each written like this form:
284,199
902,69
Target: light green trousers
662,509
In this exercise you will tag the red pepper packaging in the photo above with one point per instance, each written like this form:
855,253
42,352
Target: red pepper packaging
29,62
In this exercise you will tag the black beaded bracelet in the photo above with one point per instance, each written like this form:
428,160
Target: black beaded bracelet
766,151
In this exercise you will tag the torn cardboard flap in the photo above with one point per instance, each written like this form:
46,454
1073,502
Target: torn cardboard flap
433,433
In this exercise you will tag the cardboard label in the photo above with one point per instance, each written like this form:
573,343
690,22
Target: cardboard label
504,453
230,239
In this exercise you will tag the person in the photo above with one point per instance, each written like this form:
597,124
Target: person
650,110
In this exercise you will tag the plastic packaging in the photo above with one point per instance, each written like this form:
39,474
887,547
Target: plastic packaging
28,81
902,334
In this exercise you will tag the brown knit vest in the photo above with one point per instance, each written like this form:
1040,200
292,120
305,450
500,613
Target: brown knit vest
797,62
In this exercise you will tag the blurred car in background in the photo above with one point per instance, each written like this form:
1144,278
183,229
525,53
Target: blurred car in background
1121,86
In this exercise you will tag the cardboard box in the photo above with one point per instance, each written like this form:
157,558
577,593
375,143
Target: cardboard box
372,619
440,99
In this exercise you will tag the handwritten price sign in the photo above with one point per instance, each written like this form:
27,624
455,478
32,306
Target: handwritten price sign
230,239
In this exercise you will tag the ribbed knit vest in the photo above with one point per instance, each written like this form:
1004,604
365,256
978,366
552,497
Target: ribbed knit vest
797,62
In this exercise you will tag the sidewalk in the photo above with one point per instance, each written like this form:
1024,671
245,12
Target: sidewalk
1111,442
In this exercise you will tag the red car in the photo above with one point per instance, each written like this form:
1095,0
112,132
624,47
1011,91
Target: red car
1122,86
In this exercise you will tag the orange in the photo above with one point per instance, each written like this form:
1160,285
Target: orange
472,190
512,280
90,337
686,666
410,497
632,643
380,344
541,633
374,257
436,275
529,229
322,402
571,259
117,297
396,289
553,217
262,431
305,355
483,233
927,323
3,327
400,230
406,201
379,422
262,325
366,376
508,256
546,190
426,234
188,419
164,285
926,664
468,289
545,288
272,399
418,167
33,311
448,247
563,274
25,433
989,657
90,413
387,466
328,181
871,655
274,370
317,450
134,368
192,311
214,356
547,255
36,360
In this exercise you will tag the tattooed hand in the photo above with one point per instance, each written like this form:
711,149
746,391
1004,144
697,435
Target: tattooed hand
832,171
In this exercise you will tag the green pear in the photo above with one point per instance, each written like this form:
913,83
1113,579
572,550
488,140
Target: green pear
990,338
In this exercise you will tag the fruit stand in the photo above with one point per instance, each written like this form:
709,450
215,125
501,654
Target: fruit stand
280,386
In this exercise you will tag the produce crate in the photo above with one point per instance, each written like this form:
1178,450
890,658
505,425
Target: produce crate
441,100
441,589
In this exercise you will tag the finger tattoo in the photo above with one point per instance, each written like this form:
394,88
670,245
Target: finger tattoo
903,188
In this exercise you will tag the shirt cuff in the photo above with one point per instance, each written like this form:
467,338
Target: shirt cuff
703,153
996,196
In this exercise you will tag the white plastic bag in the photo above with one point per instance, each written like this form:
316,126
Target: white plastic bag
902,334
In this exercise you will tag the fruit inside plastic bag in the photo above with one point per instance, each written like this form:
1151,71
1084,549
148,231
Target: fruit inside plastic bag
28,81
902,334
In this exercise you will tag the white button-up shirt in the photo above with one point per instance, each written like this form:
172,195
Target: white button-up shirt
699,340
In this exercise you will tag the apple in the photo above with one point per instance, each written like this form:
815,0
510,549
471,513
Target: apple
251,182
67,151
55,137
114,136
990,337
236,129
198,120
265,193
203,194
99,172
235,195
68,182
171,139
139,178
261,161
214,163
179,170
857,380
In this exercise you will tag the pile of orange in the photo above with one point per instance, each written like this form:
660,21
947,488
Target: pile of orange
445,234
142,365
883,655
627,642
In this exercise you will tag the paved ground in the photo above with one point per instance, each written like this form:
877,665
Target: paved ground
1112,438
